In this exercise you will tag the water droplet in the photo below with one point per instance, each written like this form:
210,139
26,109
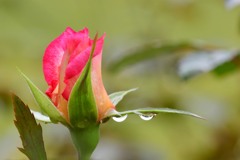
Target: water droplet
120,119
147,117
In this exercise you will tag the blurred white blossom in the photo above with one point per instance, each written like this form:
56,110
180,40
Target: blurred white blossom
230,4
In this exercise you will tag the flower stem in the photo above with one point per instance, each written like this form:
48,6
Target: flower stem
85,140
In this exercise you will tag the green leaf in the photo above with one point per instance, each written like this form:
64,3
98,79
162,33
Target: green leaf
146,111
82,108
118,96
44,102
30,132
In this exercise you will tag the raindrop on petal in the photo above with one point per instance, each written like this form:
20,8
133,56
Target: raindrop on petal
146,117
120,119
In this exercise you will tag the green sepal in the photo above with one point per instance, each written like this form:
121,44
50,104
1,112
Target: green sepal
45,103
85,140
30,132
149,111
118,96
82,108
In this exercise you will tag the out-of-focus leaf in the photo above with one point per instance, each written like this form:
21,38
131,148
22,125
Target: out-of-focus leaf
30,132
118,96
228,66
191,58
152,51
219,61
152,111
82,106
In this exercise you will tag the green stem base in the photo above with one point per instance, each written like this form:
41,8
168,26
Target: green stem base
85,140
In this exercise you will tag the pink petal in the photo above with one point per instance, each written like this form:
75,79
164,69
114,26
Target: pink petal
77,64
53,56
66,43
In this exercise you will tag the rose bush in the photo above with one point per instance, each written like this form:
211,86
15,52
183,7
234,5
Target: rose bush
63,62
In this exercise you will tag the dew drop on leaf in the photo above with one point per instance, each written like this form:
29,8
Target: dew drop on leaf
120,119
146,117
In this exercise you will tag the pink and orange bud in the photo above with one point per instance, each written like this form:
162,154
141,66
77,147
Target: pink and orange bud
63,63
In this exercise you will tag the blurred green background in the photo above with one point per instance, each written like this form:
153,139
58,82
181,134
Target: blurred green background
27,27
